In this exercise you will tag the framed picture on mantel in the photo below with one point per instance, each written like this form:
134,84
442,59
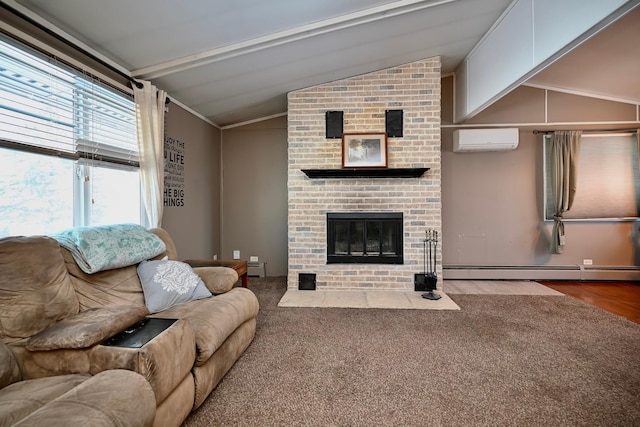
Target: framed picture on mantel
364,150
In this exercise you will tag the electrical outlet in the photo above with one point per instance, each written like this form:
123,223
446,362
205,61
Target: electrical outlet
587,262
236,254
253,259
215,257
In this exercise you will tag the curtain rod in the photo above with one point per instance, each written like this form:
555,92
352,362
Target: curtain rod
72,45
628,130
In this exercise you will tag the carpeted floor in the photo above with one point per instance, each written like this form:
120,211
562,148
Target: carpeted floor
501,360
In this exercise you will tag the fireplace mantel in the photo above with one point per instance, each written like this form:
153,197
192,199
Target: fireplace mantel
365,173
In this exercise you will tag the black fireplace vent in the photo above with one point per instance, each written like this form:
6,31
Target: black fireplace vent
307,281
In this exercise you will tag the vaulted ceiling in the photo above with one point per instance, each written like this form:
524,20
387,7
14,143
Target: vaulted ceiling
605,66
235,61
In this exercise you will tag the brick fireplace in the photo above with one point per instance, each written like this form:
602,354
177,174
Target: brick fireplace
413,88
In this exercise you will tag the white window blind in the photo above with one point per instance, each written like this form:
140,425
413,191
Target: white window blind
36,100
48,107
105,123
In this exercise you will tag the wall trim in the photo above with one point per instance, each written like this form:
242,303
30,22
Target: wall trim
249,122
541,272
540,124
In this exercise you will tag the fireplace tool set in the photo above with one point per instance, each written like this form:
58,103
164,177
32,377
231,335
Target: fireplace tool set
429,262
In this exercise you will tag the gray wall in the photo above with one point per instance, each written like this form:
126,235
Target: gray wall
254,199
492,202
195,227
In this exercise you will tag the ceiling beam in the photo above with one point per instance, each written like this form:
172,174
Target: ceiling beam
283,37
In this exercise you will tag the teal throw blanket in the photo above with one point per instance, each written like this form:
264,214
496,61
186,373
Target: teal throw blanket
107,247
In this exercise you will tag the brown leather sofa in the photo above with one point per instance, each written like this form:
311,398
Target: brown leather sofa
113,397
55,319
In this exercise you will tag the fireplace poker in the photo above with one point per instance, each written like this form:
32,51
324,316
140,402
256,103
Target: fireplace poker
435,246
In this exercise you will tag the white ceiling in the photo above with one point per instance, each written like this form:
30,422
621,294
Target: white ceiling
605,66
235,61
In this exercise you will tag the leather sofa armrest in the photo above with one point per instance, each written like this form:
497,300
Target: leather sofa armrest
86,328
217,279
164,361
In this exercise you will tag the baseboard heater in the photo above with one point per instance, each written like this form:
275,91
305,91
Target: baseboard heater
540,272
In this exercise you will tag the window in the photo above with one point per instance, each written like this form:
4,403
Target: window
36,194
608,182
68,148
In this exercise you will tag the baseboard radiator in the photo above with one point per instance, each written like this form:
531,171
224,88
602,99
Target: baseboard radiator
540,272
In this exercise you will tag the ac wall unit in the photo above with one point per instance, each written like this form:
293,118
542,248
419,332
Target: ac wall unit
485,139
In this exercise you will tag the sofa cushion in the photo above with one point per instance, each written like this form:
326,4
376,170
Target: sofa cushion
120,286
35,289
217,279
9,370
105,247
86,328
111,398
171,250
208,375
20,399
215,319
166,283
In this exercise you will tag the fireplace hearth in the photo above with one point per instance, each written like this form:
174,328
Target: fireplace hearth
364,238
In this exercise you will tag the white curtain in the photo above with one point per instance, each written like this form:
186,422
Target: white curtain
565,147
150,123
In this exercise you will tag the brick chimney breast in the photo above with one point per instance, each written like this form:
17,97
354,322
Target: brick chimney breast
413,88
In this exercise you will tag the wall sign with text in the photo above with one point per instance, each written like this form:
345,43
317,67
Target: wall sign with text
173,172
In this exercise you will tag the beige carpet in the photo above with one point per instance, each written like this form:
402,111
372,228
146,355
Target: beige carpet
502,360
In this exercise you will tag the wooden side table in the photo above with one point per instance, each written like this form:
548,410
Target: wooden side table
238,265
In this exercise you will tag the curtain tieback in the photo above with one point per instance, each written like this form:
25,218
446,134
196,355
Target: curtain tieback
559,226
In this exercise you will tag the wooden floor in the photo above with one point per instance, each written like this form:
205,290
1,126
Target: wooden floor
622,298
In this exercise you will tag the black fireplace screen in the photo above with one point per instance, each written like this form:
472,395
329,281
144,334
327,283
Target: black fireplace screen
364,237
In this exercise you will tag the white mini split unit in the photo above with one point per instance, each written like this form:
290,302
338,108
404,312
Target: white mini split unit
485,139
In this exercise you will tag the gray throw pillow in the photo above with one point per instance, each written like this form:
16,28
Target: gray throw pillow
166,283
